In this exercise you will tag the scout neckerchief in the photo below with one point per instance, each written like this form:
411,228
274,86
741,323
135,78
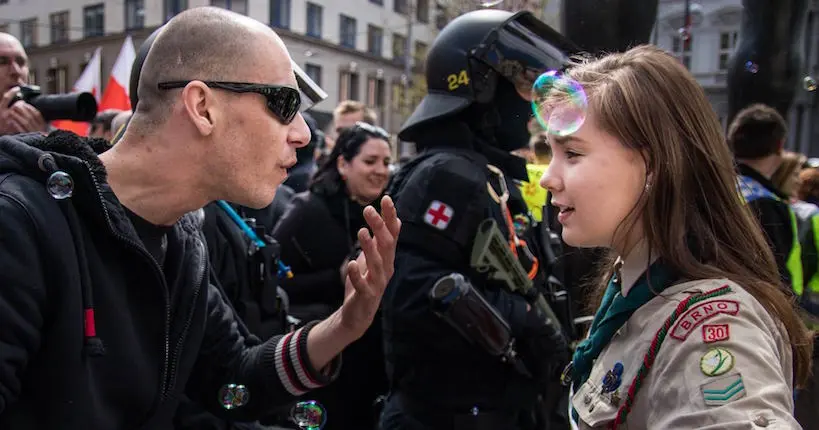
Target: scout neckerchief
613,313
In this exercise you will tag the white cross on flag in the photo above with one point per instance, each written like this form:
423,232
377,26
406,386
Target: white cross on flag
438,215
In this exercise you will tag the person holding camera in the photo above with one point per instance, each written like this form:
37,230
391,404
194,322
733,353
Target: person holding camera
19,117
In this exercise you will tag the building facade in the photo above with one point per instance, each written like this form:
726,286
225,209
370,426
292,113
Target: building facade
714,36
354,49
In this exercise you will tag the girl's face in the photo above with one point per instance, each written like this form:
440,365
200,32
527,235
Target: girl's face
595,182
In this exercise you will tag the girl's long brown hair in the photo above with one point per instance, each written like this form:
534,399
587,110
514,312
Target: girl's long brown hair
692,214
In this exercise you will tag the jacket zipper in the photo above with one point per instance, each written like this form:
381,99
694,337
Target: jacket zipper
184,334
157,272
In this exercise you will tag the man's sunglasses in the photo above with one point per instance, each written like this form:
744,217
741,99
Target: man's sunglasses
283,101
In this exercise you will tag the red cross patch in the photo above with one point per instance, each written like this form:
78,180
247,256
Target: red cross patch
438,215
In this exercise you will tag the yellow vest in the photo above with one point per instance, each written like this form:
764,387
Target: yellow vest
533,193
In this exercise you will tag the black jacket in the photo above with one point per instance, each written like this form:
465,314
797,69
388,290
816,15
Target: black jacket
775,219
93,335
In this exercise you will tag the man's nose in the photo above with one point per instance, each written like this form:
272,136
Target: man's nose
299,133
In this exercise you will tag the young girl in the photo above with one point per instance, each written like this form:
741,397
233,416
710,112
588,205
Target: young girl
694,329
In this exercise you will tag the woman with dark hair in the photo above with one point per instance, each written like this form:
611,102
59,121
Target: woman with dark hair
317,236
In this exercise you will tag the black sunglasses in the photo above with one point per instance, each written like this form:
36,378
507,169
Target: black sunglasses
283,101
372,129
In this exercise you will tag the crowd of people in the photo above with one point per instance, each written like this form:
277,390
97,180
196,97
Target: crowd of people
202,261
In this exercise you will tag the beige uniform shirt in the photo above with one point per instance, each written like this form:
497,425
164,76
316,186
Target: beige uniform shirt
725,364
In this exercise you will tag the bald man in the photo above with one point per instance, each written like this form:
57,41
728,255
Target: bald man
20,117
107,316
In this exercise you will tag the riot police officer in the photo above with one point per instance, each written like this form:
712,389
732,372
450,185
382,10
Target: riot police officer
462,216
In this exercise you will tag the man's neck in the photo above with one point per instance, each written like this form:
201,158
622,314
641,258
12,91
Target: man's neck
766,166
158,184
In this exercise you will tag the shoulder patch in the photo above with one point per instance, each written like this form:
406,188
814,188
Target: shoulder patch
717,361
692,318
715,332
438,214
723,390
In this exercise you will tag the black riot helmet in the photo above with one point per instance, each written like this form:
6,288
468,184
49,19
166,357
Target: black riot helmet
479,52
310,92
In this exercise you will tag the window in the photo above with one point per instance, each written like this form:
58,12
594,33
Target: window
727,44
134,14
400,6
32,77
174,7
4,1
375,91
94,20
314,12
57,80
399,46
59,26
348,86
28,32
422,11
682,50
420,53
238,6
314,72
280,13
375,40
378,2
347,36
4,28
397,96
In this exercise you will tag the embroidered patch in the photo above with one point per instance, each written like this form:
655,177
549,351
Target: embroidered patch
716,361
438,215
701,312
715,332
723,390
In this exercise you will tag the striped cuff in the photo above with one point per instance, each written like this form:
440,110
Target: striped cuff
293,363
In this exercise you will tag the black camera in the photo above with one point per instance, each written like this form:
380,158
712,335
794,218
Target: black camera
74,107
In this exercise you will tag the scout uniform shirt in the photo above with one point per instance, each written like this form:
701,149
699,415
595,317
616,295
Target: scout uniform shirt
723,363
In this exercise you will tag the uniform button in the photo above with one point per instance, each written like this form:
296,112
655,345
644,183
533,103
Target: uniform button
761,421
587,398
591,408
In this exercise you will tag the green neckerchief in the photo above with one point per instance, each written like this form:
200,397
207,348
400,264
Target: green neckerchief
613,313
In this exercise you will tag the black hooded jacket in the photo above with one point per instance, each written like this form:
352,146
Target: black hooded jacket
93,333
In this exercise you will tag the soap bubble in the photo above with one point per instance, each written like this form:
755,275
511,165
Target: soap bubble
751,67
309,415
60,185
561,115
808,83
489,3
231,396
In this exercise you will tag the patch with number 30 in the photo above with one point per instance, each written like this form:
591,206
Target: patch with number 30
715,332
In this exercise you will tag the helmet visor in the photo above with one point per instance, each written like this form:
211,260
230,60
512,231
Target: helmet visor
523,48
311,93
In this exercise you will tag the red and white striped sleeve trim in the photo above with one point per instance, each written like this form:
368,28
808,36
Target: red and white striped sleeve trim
293,364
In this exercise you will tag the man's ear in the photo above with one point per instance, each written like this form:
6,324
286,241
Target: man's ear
199,101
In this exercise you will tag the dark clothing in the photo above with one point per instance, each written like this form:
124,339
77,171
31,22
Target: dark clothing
270,215
317,235
154,237
75,274
438,379
298,178
774,218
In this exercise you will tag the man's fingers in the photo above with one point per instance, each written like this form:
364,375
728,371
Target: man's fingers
356,279
375,264
384,238
7,96
390,215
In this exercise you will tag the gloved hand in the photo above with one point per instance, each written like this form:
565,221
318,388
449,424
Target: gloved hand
543,347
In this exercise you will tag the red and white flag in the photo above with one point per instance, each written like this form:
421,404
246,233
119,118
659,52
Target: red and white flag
90,82
116,94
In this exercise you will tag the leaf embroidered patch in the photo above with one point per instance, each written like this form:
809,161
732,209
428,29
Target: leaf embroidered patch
716,362
724,390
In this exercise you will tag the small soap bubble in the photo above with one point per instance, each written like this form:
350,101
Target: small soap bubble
60,185
475,411
308,415
684,33
751,67
559,103
489,3
809,84
231,396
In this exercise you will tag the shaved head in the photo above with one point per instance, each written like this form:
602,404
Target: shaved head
204,43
